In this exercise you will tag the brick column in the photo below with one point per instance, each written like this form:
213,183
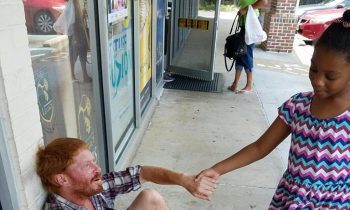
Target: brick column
280,24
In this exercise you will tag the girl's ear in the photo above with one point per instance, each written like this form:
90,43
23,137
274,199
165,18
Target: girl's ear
60,179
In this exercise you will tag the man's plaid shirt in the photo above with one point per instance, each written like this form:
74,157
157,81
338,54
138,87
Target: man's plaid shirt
114,183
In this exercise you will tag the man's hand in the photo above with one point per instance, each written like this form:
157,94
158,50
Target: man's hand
202,187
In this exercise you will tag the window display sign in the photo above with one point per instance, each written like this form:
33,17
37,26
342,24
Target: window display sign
85,120
117,10
49,99
145,42
120,79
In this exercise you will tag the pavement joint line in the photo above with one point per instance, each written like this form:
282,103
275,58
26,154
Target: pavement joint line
262,105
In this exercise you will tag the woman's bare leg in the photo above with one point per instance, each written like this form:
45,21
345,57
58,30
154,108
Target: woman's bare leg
249,85
233,87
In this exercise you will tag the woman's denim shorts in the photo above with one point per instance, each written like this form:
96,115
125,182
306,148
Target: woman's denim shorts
246,61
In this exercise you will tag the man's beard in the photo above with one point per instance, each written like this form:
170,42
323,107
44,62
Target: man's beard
88,190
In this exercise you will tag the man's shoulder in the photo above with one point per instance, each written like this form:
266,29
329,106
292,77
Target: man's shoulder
52,203
56,202
50,206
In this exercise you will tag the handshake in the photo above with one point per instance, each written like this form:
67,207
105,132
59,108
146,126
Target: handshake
203,184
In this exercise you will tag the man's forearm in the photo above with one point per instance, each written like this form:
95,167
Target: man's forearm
201,188
161,176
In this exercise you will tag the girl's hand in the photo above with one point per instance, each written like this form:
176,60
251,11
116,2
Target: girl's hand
210,172
202,188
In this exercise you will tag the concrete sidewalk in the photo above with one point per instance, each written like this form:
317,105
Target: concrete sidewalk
190,131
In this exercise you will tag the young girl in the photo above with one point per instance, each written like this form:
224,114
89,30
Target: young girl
318,173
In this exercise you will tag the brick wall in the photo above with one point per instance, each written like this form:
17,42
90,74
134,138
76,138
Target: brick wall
280,24
18,105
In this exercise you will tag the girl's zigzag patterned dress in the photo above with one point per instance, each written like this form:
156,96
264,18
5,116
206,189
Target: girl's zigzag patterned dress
318,173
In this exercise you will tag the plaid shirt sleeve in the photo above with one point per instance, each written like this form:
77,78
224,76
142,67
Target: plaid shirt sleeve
115,183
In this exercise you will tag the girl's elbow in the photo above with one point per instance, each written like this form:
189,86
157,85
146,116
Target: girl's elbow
262,150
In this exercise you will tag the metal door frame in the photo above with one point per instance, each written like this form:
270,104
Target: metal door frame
97,86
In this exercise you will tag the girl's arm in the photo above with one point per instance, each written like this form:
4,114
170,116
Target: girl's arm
272,137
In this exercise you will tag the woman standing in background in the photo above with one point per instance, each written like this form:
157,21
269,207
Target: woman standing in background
246,61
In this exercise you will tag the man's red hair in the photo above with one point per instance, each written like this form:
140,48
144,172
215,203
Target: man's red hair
54,158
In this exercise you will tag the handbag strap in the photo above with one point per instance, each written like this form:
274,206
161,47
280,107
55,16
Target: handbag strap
234,20
238,26
229,68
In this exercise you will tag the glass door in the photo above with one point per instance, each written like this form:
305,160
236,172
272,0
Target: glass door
194,30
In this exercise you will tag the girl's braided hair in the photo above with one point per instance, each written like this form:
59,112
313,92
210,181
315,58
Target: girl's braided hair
337,36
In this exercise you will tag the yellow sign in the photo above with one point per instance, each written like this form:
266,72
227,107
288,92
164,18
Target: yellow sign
188,23
203,24
193,23
182,22
145,42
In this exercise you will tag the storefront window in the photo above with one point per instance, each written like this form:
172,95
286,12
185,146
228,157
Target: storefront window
59,42
121,104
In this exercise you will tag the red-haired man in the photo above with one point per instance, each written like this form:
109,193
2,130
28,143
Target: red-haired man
69,173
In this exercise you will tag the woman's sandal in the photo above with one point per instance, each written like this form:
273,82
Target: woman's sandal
244,91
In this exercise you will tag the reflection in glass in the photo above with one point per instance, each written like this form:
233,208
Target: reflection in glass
58,32
40,15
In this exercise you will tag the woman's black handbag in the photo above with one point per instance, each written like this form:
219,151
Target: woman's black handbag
235,44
